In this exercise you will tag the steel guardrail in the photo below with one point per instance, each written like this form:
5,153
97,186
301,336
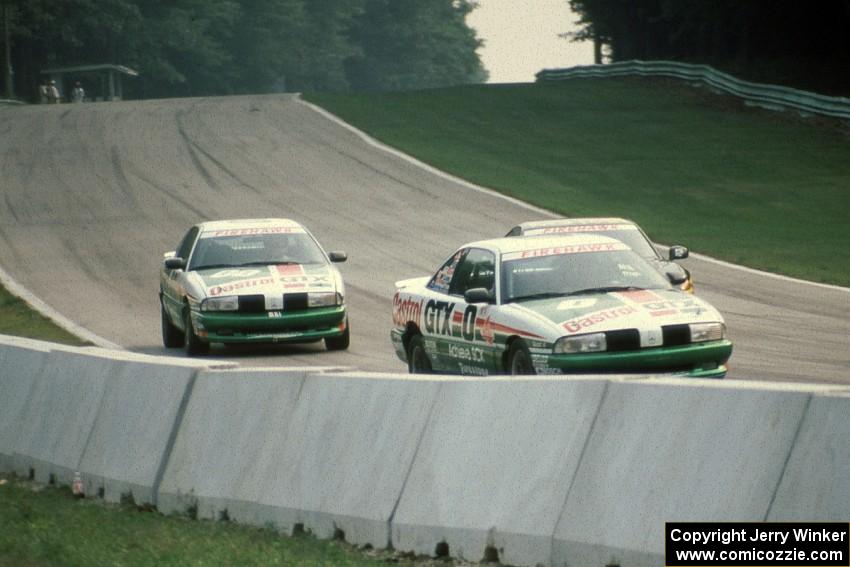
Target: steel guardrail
772,97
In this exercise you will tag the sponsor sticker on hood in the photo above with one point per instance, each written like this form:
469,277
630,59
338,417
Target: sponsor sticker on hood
642,309
267,280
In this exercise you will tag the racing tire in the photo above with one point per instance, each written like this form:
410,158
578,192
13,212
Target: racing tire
192,343
172,337
519,360
340,342
417,359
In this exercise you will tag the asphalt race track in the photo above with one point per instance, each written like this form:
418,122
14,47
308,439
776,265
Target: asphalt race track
93,194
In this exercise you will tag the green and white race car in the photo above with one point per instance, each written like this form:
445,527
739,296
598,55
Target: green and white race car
623,230
583,303
251,281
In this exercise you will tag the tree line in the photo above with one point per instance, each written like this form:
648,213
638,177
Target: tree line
215,47
799,44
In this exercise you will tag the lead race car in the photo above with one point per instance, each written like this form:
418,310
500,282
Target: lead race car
251,281
581,303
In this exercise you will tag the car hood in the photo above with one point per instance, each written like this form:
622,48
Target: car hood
270,280
620,310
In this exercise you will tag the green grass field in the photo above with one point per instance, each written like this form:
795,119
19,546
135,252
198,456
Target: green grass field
44,526
16,318
765,189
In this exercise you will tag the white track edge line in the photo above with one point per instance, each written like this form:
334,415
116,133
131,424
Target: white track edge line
448,176
57,318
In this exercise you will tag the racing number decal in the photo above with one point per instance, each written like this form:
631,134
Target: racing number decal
440,319
468,328
455,331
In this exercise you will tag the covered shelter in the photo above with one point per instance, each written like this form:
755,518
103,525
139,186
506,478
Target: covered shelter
108,77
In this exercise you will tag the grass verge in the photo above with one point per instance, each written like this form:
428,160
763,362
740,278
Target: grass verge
18,319
765,189
45,526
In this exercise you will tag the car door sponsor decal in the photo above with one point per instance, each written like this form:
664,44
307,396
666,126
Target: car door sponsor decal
442,319
407,310
438,317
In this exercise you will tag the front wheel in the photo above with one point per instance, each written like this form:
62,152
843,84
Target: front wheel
519,359
192,343
417,359
172,337
339,342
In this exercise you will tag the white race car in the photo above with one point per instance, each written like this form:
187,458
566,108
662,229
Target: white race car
251,281
581,303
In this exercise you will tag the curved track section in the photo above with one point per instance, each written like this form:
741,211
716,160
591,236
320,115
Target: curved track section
93,194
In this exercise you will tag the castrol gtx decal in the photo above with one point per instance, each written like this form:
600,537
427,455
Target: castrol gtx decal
637,309
266,279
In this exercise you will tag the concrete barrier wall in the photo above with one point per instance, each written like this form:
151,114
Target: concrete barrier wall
675,450
494,468
816,483
59,414
541,470
136,424
21,361
233,416
342,461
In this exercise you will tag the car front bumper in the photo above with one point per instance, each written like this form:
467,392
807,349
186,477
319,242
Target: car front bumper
270,327
701,360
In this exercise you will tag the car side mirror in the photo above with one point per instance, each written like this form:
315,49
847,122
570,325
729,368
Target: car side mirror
175,263
678,253
337,256
477,295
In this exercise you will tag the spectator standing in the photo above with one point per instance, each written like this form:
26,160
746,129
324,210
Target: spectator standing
53,93
42,93
78,94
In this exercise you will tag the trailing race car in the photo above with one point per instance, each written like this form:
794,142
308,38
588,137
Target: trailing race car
581,303
623,230
251,281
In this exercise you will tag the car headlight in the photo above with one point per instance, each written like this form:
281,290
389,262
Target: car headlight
323,299
702,332
226,303
594,342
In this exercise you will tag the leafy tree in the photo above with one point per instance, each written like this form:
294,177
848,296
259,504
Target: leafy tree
802,45
204,47
414,44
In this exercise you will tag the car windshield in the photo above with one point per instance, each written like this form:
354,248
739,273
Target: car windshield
255,250
550,273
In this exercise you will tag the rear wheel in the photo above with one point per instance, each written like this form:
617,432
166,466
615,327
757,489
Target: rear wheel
339,342
192,343
172,337
417,359
519,359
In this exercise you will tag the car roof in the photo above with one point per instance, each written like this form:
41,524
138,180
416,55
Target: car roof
577,221
507,245
247,224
